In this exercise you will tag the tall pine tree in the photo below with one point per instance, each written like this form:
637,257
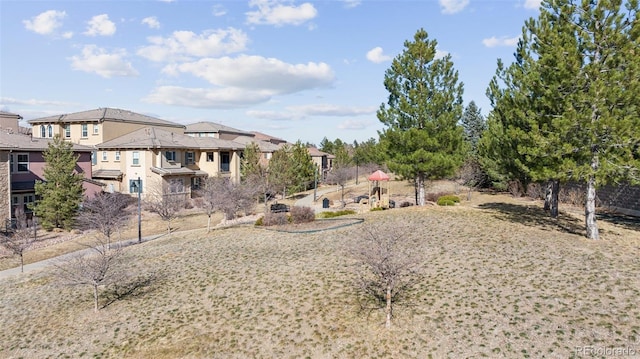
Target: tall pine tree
422,137
61,191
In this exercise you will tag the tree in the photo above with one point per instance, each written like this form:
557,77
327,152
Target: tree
20,239
422,137
279,166
106,212
387,264
301,169
165,203
474,125
340,176
221,194
571,97
250,164
98,266
61,192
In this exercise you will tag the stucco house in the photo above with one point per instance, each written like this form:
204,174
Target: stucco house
22,164
165,160
216,130
96,126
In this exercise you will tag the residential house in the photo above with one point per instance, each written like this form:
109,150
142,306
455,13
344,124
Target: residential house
216,130
22,164
97,126
264,137
165,160
322,160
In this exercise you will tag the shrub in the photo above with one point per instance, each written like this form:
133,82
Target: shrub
406,204
376,209
275,219
343,212
536,191
300,214
448,200
260,221
433,196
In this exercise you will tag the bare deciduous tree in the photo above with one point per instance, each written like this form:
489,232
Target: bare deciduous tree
20,239
221,194
165,203
471,175
106,213
387,263
97,266
340,176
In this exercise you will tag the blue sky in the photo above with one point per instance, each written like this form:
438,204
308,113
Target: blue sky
292,69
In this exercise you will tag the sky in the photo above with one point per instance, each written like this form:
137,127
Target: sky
297,70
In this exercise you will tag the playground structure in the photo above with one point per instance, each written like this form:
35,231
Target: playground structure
379,188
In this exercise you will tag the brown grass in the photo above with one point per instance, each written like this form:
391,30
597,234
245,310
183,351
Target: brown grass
500,280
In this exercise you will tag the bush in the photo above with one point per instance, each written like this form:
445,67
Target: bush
376,209
343,212
275,219
301,214
433,196
448,200
260,221
406,204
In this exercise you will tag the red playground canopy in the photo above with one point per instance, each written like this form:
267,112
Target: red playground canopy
378,176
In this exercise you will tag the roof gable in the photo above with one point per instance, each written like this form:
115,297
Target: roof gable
106,114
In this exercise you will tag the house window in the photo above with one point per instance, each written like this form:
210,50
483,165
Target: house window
95,129
195,183
209,156
104,155
135,156
190,158
170,156
85,131
268,155
43,131
225,161
94,158
50,130
67,131
176,185
19,163
135,186
28,199
117,156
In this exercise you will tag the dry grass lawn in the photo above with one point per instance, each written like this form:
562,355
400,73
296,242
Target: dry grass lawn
499,279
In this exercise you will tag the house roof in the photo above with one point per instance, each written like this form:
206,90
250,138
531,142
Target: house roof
264,146
212,127
157,138
178,171
107,174
264,137
21,142
106,114
10,115
314,152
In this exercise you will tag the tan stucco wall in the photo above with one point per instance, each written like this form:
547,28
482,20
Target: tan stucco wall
5,186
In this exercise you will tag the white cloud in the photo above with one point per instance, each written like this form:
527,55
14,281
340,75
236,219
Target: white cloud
376,55
274,115
100,25
184,45
256,72
45,23
152,22
502,41
350,4
332,110
532,4
96,60
453,6
218,10
278,13
354,124
206,97
440,54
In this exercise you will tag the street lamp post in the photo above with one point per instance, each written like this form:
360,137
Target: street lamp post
139,188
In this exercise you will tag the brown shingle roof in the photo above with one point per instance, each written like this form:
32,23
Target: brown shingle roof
106,114
157,138
18,141
212,127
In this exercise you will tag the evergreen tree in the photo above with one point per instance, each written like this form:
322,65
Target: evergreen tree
474,125
301,168
250,164
569,106
422,137
279,165
61,191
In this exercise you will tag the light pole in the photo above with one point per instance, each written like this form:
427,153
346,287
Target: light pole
139,188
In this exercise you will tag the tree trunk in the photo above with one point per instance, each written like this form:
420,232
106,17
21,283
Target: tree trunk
547,195
208,223
95,298
590,209
555,189
21,263
169,226
389,308
420,184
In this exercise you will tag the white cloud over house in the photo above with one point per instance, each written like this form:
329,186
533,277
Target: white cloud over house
186,45
279,13
106,64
